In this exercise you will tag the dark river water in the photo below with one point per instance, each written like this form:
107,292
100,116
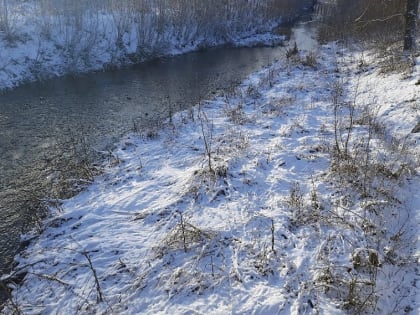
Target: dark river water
40,123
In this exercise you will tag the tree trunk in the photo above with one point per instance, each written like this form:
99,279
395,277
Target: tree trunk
410,24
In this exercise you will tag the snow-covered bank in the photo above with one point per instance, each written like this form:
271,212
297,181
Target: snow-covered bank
46,39
279,222
36,59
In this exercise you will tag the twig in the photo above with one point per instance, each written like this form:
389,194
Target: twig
98,287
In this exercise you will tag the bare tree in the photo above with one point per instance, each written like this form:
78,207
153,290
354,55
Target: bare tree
410,24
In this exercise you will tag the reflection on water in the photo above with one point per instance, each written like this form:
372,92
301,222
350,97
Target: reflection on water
40,122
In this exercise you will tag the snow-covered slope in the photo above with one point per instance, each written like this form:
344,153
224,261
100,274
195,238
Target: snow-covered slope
46,40
281,221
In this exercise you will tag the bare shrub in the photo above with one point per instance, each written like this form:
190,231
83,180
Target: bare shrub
235,113
295,197
184,236
310,60
354,290
277,106
294,51
148,127
207,130
373,20
253,92
391,60
260,245
365,258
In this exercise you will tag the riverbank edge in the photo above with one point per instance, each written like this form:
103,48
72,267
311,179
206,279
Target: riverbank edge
28,74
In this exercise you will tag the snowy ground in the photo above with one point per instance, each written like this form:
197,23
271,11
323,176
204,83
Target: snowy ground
282,223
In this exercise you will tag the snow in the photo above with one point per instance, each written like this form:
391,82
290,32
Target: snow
275,231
